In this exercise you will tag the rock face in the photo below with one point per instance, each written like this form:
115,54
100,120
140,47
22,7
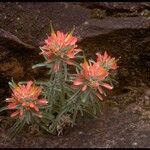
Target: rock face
130,6
12,68
9,40
95,27
64,16
32,29
11,47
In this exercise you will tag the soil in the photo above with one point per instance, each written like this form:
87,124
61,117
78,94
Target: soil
125,118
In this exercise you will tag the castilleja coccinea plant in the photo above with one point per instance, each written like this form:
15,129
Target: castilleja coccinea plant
25,99
55,103
60,49
92,76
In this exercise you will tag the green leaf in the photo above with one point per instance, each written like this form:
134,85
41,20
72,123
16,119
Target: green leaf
47,116
3,108
81,110
75,113
66,49
77,64
77,70
16,128
40,82
23,82
45,57
46,106
71,32
39,65
52,29
93,104
28,117
12,84
46,129
90,113
50,71
85,97
80,57
45,121
74,116
65,71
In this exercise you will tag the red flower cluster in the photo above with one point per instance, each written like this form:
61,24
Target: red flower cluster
106,61
93,74
25,98
60,46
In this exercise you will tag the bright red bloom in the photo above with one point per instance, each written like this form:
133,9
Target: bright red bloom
92,75
60,45
106,61
25,98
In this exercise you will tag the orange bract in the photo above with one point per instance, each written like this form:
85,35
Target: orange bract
106,61
24,98
94,70
60,45
92,75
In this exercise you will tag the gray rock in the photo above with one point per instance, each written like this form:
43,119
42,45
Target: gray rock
11,68
118,6
9,40
32,29
95,27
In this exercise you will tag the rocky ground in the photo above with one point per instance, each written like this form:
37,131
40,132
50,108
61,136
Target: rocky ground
120,28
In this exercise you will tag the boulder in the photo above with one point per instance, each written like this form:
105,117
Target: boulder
128,6
32,29
94,27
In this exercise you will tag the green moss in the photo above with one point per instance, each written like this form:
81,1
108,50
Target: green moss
98,13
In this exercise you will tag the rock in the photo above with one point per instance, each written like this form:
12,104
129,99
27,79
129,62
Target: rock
134,143
64,16
146,99
117,6
146,13
4,53
124,72
11,41
147,92
32,29
94,27
15,56
11,68
2,92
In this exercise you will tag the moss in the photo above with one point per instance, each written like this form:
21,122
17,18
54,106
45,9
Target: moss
98,13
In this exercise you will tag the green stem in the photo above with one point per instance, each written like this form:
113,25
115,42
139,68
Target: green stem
75,113
62,94
71,99
65,70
